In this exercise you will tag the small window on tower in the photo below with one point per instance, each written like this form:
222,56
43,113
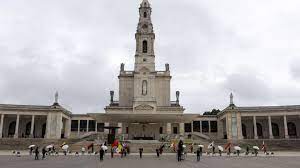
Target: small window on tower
145,46
144,59
145,14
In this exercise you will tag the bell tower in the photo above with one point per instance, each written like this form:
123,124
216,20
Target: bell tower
144,56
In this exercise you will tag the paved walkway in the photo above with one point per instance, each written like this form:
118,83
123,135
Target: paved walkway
167,161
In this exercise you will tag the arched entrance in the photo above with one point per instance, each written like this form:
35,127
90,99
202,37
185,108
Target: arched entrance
258,130
244,130
43,130
28,128
292,131
275,130
11,129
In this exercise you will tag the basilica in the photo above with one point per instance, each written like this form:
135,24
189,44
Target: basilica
144,109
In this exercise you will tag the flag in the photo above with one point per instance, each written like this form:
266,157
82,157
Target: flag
210,145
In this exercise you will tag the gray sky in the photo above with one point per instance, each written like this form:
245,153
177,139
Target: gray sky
249,47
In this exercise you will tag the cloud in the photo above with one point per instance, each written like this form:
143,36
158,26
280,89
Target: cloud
76,47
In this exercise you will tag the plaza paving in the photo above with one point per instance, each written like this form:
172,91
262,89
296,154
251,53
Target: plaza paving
150,161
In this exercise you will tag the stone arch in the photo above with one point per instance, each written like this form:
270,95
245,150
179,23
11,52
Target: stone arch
292,130
145,46
275,129
28,128
11,128
244,130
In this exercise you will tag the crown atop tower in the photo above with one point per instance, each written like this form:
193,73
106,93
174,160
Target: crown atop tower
145,3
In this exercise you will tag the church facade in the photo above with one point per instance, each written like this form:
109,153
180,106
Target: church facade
145,110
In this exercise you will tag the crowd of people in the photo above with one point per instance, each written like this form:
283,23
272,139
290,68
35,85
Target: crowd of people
123,149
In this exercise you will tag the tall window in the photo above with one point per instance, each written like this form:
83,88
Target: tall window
145,14
144,87
145,46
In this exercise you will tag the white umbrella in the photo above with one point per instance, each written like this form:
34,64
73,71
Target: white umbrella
104,147
221,148
256,147
202,146
184,146
65,147
31,146
237,148
49,146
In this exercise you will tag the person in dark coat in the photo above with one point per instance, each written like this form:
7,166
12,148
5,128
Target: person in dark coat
44,152
101,154
213,150
198,154
179,153
180,150
157,152
200,151
36,153
247,150
141,152
112,152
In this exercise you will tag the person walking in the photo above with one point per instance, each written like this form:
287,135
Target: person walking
44,152
198,154
31,150
101,154
179,153
141,152
112,152
200,151
82,150
36,153
157,152
213,150
247,150
180,150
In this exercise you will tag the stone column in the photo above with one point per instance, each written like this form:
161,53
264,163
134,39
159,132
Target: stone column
229,126
78,131
192,126
32,126
106,131
200,126
239,126
255,128
96,126
1,125
169,129
120,129
67,128
17,127
181,128
270,128
286,133
209,129
87,125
